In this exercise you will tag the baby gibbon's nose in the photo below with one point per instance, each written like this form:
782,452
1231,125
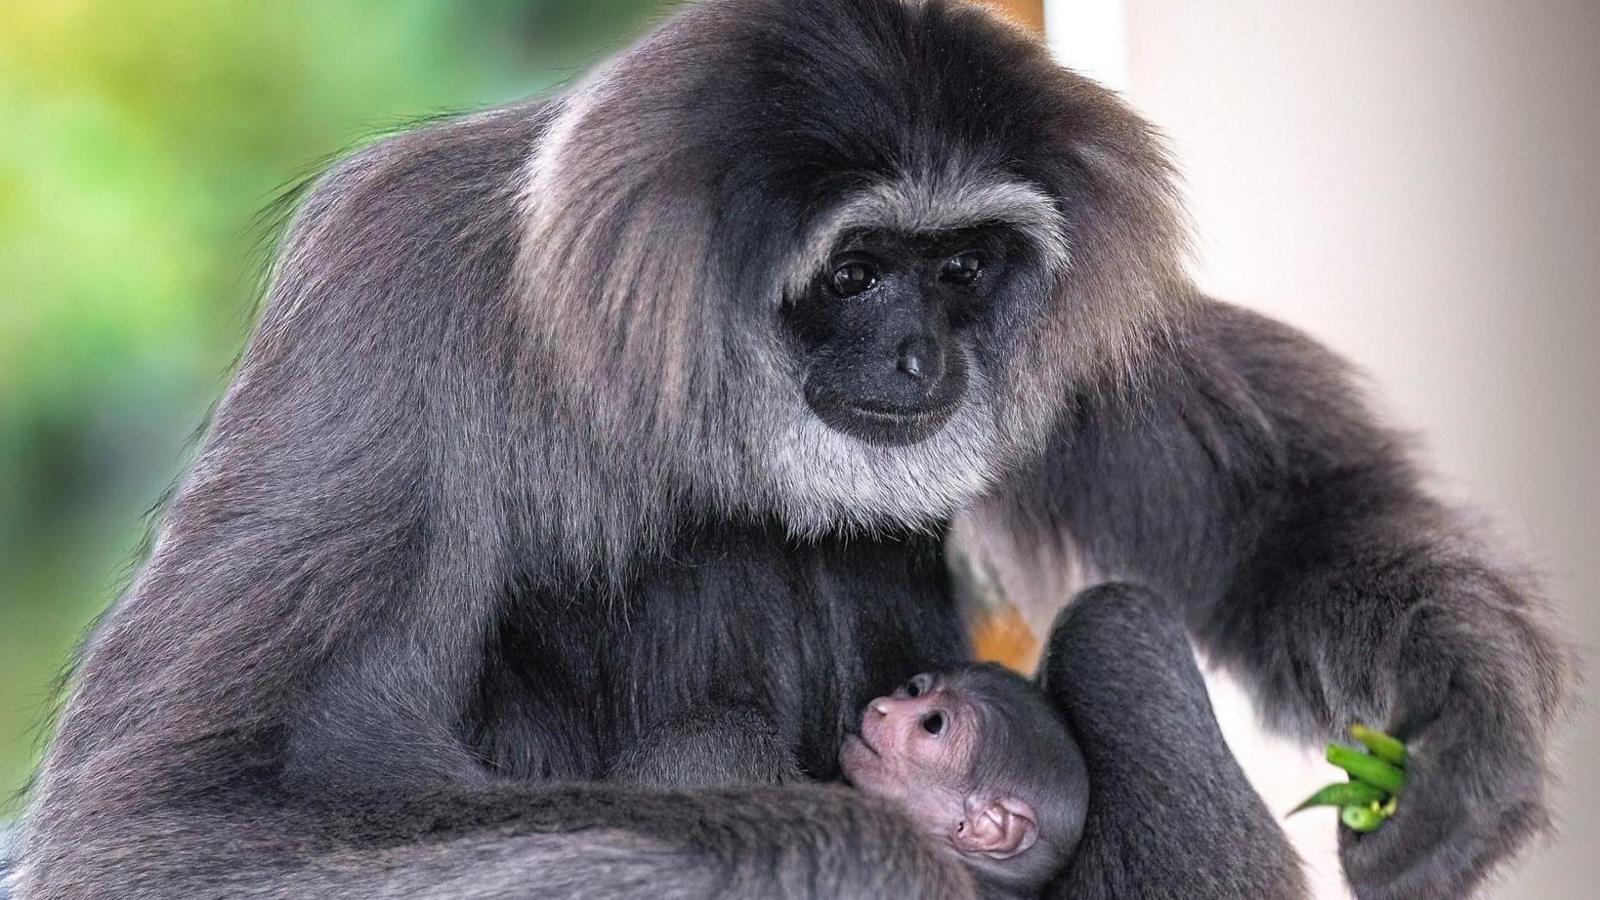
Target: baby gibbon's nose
890,707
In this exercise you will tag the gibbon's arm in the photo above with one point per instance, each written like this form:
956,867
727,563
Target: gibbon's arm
512,841
1251,485
1171,814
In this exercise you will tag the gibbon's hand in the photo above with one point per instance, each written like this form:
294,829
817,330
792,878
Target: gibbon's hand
1473,796
1377,778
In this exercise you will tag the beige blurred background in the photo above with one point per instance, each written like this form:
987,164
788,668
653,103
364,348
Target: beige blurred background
1417,184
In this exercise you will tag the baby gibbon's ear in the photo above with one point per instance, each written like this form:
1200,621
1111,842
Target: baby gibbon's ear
997,826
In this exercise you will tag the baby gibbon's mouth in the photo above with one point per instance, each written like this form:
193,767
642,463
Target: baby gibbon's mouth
856,736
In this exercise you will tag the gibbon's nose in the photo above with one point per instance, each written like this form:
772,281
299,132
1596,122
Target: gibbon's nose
901,707
919,359
892,721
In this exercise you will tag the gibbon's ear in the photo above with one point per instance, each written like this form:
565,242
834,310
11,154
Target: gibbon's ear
998,827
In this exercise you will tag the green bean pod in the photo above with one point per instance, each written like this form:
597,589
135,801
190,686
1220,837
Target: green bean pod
1381,745
1361,818
1350,793
1370,769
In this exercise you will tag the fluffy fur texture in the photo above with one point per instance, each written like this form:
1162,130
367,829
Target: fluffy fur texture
1252,486
515,489
696,180
1170,812
1026,748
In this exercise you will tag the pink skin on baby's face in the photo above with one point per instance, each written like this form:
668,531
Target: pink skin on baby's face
916,746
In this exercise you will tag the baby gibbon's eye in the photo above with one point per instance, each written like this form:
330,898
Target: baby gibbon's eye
933,723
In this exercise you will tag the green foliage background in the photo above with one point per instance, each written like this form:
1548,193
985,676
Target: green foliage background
139,144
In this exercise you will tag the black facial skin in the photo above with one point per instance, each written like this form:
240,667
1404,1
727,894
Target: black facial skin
884,333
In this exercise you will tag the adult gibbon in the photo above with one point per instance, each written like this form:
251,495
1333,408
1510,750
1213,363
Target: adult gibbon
635,420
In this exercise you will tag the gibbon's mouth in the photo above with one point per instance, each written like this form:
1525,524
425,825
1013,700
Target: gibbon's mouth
857,738
886,425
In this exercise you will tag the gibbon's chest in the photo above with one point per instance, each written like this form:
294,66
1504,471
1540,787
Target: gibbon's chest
806,632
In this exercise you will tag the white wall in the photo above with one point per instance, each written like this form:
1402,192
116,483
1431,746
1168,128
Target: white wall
1418,185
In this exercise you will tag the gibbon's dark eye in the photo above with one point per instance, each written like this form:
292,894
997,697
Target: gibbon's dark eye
933,723
916,687
852,278
961,270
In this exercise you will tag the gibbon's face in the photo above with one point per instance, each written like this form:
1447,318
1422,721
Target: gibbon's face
915,745
851,262
886,331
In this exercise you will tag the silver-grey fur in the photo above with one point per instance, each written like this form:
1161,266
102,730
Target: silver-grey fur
517,484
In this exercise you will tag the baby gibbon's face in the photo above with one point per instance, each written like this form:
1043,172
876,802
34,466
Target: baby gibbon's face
915,746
